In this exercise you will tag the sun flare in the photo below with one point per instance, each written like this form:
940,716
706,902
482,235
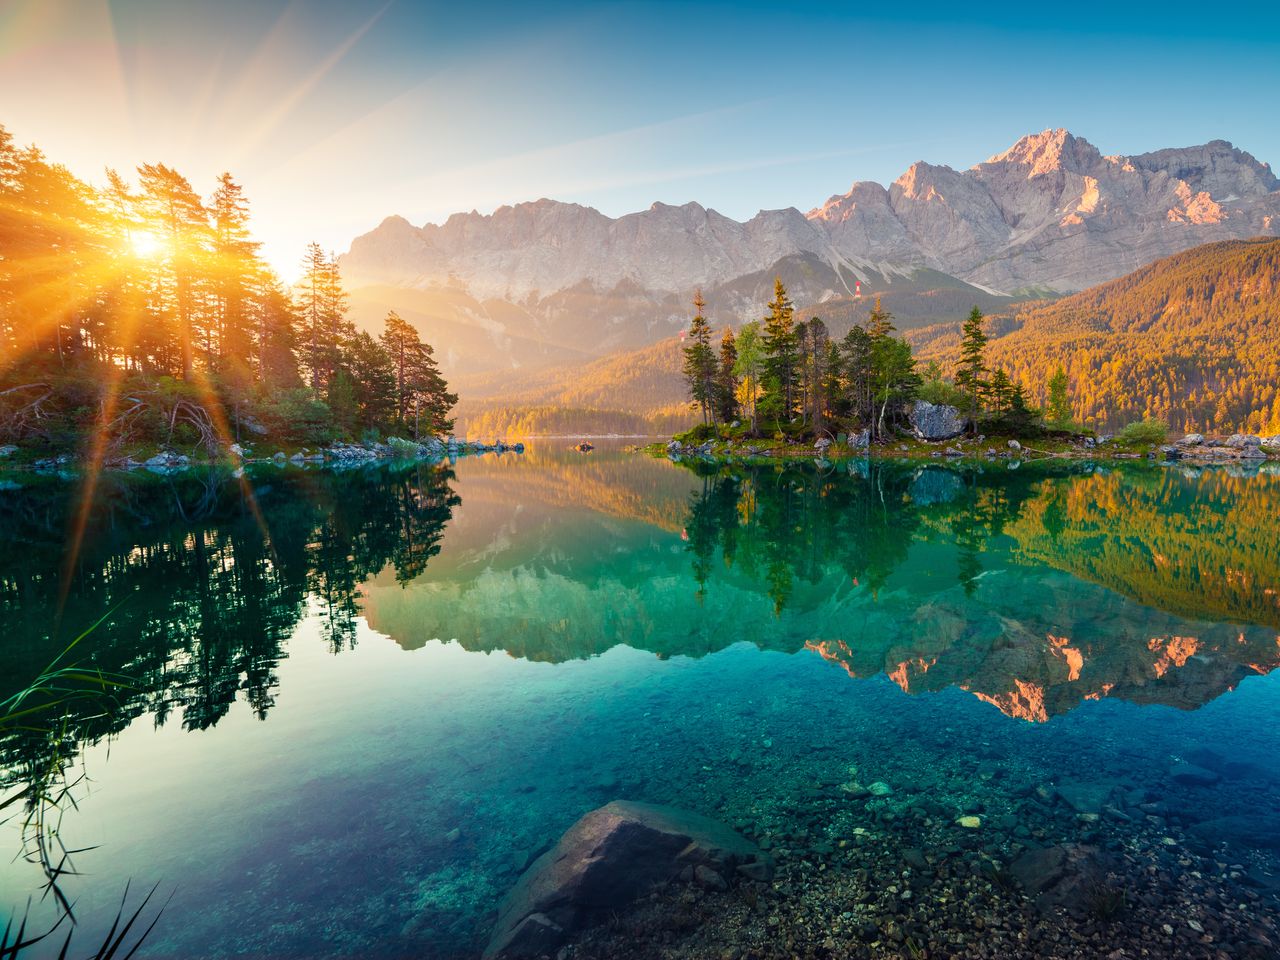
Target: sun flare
146,244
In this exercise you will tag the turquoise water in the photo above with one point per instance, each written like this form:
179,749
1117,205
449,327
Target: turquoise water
362,701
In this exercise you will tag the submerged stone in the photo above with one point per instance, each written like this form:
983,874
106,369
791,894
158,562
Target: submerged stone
606,860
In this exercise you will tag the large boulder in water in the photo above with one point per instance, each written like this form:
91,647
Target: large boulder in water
938,421
1070,877
606,860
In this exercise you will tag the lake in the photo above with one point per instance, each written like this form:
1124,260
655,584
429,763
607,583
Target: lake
360,702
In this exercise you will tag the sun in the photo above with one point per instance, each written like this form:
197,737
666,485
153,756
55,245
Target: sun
146,244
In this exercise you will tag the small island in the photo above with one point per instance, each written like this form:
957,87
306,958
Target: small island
782,389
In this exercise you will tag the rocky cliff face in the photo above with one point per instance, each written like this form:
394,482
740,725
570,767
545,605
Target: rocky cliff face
1053,212
1050,212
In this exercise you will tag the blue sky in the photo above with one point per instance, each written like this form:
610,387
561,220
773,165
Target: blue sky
337,114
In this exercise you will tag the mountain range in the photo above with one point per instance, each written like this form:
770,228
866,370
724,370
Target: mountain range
552,286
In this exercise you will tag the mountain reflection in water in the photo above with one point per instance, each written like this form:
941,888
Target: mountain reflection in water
1034,589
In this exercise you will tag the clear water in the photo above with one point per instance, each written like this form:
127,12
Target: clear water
361,701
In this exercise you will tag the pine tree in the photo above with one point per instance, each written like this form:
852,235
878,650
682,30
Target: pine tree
1000,392
726,380
324,308
237,276
970,377
855,352
1059,404
813,364
422,398
170,201
700,362
781,356
372,373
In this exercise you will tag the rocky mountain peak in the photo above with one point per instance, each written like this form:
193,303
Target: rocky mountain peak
1046,152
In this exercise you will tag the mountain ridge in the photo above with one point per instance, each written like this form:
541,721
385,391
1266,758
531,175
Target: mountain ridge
1041,213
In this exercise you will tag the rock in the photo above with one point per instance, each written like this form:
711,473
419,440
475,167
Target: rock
860,440
706,877
1014,445
1189,775
1065,876
760,870
1085,797
1261,831
1239,441
1191,440
253,426
880,789
606,860
953,452
8,450
935,421
822,444
236,450
969,822
1271,443
1252,453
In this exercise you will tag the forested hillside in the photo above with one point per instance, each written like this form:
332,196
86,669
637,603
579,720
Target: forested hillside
632,392
1193,339
140,315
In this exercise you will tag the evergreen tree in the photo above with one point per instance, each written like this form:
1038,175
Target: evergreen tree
726,380
781,356
237,276
970,377
1059,405
1000,392
373,376
855,358
814,342
700,362
1020,417
170,200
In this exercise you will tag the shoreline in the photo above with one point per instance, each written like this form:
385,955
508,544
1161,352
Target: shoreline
980,449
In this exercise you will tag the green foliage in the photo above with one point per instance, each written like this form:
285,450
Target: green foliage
1147,432
939,391
700,363
699,433
295,415
1058,407
778,400
971,373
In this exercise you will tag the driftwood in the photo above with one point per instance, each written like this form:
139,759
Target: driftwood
26,413
23,411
